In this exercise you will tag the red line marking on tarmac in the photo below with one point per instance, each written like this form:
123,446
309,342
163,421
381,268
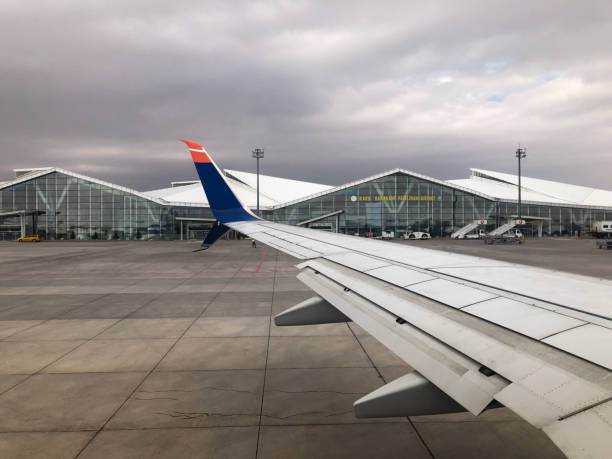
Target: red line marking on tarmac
262,260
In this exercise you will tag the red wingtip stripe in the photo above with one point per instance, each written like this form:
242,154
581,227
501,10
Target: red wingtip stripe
190,144
198,154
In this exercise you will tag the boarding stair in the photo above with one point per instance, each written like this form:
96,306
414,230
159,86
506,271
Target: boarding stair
465,229
504,228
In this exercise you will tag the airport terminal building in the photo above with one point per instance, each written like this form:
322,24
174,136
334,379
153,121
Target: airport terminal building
59,204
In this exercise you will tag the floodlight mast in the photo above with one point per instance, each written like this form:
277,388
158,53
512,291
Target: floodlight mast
520,154
258,153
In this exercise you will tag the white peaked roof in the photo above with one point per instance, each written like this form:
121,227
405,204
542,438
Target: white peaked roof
32,173
279,189
278,192
272,190
503,186
503,191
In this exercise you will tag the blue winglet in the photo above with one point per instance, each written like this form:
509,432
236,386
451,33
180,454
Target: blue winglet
218,230
224,204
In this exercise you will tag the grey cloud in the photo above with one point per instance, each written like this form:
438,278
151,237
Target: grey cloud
333,91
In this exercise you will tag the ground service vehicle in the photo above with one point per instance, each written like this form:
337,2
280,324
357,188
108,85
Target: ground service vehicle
479,235
604,244
514,233
417,235
602,229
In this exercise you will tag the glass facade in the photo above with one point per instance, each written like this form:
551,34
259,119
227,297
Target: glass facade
401,203
77,208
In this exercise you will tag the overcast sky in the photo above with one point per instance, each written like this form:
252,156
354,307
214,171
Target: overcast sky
333,91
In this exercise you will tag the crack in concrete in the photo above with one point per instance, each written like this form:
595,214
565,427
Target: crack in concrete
315,392
308,413
223,389
189,415
166,390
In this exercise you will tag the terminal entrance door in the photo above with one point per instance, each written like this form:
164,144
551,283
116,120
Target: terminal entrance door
195,228
530,229
533,226
198,230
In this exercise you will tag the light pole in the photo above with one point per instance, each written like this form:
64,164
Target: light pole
258,153
520,154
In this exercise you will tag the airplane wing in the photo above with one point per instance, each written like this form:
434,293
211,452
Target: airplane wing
478,332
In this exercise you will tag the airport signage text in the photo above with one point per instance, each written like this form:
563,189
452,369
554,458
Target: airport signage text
398,198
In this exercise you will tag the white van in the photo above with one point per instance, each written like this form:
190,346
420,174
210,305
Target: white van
388,235
417,235
479,235
602,229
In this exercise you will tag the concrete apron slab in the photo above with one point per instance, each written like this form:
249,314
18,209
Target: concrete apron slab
150,385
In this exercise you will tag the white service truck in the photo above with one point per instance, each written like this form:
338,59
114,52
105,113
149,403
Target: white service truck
477,235
388,235
602,229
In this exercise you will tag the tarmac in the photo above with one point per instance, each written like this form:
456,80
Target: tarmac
574,255
145,349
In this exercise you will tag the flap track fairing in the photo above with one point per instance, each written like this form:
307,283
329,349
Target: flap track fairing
313,311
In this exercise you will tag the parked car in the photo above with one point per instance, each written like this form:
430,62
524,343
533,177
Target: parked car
34,238
417,235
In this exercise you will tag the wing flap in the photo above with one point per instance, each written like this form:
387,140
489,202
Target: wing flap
559,391
511,311
586,434
449,370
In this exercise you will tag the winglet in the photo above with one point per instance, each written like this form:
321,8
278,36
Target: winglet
225,205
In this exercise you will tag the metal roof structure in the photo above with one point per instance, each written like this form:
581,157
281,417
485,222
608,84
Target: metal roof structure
497,186
276,192
33,173
278,189
503,186
380,175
